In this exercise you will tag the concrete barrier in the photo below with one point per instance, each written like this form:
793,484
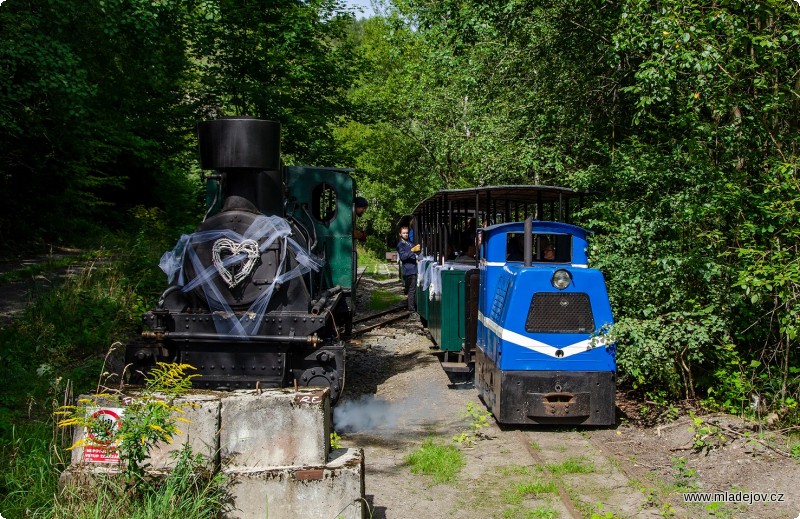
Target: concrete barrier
275,428
200,432
273,445
332,491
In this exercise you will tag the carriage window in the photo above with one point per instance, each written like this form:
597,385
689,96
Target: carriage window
323,202
546,247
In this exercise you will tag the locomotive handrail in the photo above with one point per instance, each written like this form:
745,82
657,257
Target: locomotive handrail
309,339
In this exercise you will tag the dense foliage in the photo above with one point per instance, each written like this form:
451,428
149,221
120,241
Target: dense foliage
99,99
682,116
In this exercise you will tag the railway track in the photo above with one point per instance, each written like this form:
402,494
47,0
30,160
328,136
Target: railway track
588,479
516,472
533,450
388,316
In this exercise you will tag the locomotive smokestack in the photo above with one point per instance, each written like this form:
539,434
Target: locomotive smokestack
248,151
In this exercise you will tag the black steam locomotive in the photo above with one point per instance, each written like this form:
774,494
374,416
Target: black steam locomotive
261,294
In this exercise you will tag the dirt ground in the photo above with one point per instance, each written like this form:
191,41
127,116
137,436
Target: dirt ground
16,295
397,395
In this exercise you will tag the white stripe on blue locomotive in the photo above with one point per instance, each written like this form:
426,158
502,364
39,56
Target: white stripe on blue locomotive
541,347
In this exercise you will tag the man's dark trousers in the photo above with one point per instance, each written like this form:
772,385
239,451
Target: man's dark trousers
411,290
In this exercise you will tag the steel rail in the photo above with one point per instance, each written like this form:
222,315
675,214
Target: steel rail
380,314
381,323
562,493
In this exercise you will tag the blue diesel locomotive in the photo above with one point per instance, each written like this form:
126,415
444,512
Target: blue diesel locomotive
541,354
515,303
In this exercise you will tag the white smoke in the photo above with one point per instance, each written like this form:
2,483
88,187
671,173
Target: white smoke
372,414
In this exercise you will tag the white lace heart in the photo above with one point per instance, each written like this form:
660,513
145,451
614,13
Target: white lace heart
248,247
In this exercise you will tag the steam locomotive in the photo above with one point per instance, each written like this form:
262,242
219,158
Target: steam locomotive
262,293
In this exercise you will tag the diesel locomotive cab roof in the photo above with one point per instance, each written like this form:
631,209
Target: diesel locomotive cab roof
539,226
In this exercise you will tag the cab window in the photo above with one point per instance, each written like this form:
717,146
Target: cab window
546,247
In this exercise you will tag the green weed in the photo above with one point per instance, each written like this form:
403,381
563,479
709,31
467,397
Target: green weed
706,436
572,465
442,462
795,450
517,470
336,440
685,477
601,513
540,512
529,489
478,419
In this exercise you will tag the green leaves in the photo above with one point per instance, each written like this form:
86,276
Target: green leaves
287,61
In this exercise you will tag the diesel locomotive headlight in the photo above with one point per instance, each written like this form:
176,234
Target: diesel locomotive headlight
561,279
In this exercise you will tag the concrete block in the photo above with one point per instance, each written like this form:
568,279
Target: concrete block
87,475
202,411
275,428
332,491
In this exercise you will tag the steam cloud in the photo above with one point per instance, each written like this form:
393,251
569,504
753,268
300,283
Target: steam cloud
370,413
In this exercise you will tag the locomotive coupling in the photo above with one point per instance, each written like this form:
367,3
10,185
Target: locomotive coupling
153,334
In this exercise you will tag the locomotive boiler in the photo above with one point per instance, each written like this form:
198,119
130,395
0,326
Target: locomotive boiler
261,294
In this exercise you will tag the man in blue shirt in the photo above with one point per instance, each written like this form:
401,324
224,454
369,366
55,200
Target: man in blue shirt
406,252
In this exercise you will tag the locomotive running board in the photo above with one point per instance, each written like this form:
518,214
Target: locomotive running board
459,366
456,367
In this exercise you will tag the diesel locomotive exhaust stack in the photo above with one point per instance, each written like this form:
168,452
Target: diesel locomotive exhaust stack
247,152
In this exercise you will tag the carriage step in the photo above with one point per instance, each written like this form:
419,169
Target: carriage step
456,367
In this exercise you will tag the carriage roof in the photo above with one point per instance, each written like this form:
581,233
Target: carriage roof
482,197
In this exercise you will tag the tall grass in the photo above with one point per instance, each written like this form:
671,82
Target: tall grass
189,491
63,335
67,329
28,473
60,341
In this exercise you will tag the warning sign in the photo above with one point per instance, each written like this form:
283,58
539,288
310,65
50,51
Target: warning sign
101,436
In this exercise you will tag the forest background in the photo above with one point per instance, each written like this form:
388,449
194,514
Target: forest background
682,117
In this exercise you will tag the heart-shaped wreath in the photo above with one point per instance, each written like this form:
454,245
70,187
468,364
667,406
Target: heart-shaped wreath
228,248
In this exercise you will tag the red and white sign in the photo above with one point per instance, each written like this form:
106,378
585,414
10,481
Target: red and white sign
101,436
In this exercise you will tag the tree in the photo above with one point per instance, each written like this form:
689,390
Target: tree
707,130
282,60
85,93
